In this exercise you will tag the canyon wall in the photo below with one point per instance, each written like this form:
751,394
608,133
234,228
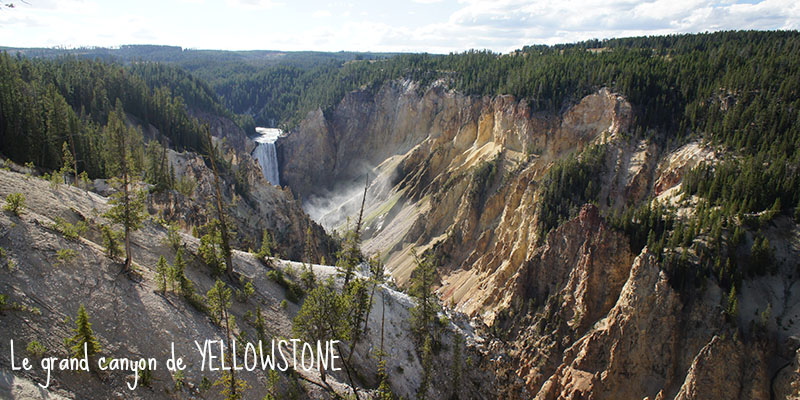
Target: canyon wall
575,313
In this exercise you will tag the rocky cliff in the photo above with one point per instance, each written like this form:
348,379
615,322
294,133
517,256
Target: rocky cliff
577,313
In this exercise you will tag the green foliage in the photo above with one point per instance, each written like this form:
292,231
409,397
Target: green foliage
173,239
307,278
244,294
178,276
205,384
273,379
266,247
83,335
427,368
323,315
218,299
762,258
36,349
309,252
747,184
647,224
210,250
260,326
70,231
293,291
764,318
384,388
111,241
158,170
349,257
65,255
732,307
230,391
145,376
185,185
568,184
47,102
358,300
482,178
179,379
162,274
68,165
15,203
423,319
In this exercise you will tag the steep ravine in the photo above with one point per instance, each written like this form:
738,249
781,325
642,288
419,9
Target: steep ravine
575,314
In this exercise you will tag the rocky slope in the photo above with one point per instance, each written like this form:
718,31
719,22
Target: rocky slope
577,313
131,318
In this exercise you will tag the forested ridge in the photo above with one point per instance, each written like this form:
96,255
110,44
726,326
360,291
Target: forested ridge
738,91
46,103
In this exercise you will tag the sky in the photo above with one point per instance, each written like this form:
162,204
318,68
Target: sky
434,26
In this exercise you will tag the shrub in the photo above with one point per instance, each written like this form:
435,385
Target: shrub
111,241
15,203
293,291
179,380
36,349
145,376
266,247
65,255
70,231
173,238
243,295
185,185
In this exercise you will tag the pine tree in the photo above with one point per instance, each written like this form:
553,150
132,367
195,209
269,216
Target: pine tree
162,274
184,284
423,314
308,250
261,326
68,166
211,248
323,315
124,161
427,369
110,241
223,226
273,379
266,247
83,335
384,389
219,302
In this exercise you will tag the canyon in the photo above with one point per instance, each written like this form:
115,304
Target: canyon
581,314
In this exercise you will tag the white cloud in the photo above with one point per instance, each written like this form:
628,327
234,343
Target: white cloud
254,4
501,25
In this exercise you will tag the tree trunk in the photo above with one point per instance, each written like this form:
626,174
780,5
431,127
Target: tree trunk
127,200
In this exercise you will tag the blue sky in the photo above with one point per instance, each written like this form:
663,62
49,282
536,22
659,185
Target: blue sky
437,26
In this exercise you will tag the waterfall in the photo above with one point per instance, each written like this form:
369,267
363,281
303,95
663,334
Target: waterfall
266,155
